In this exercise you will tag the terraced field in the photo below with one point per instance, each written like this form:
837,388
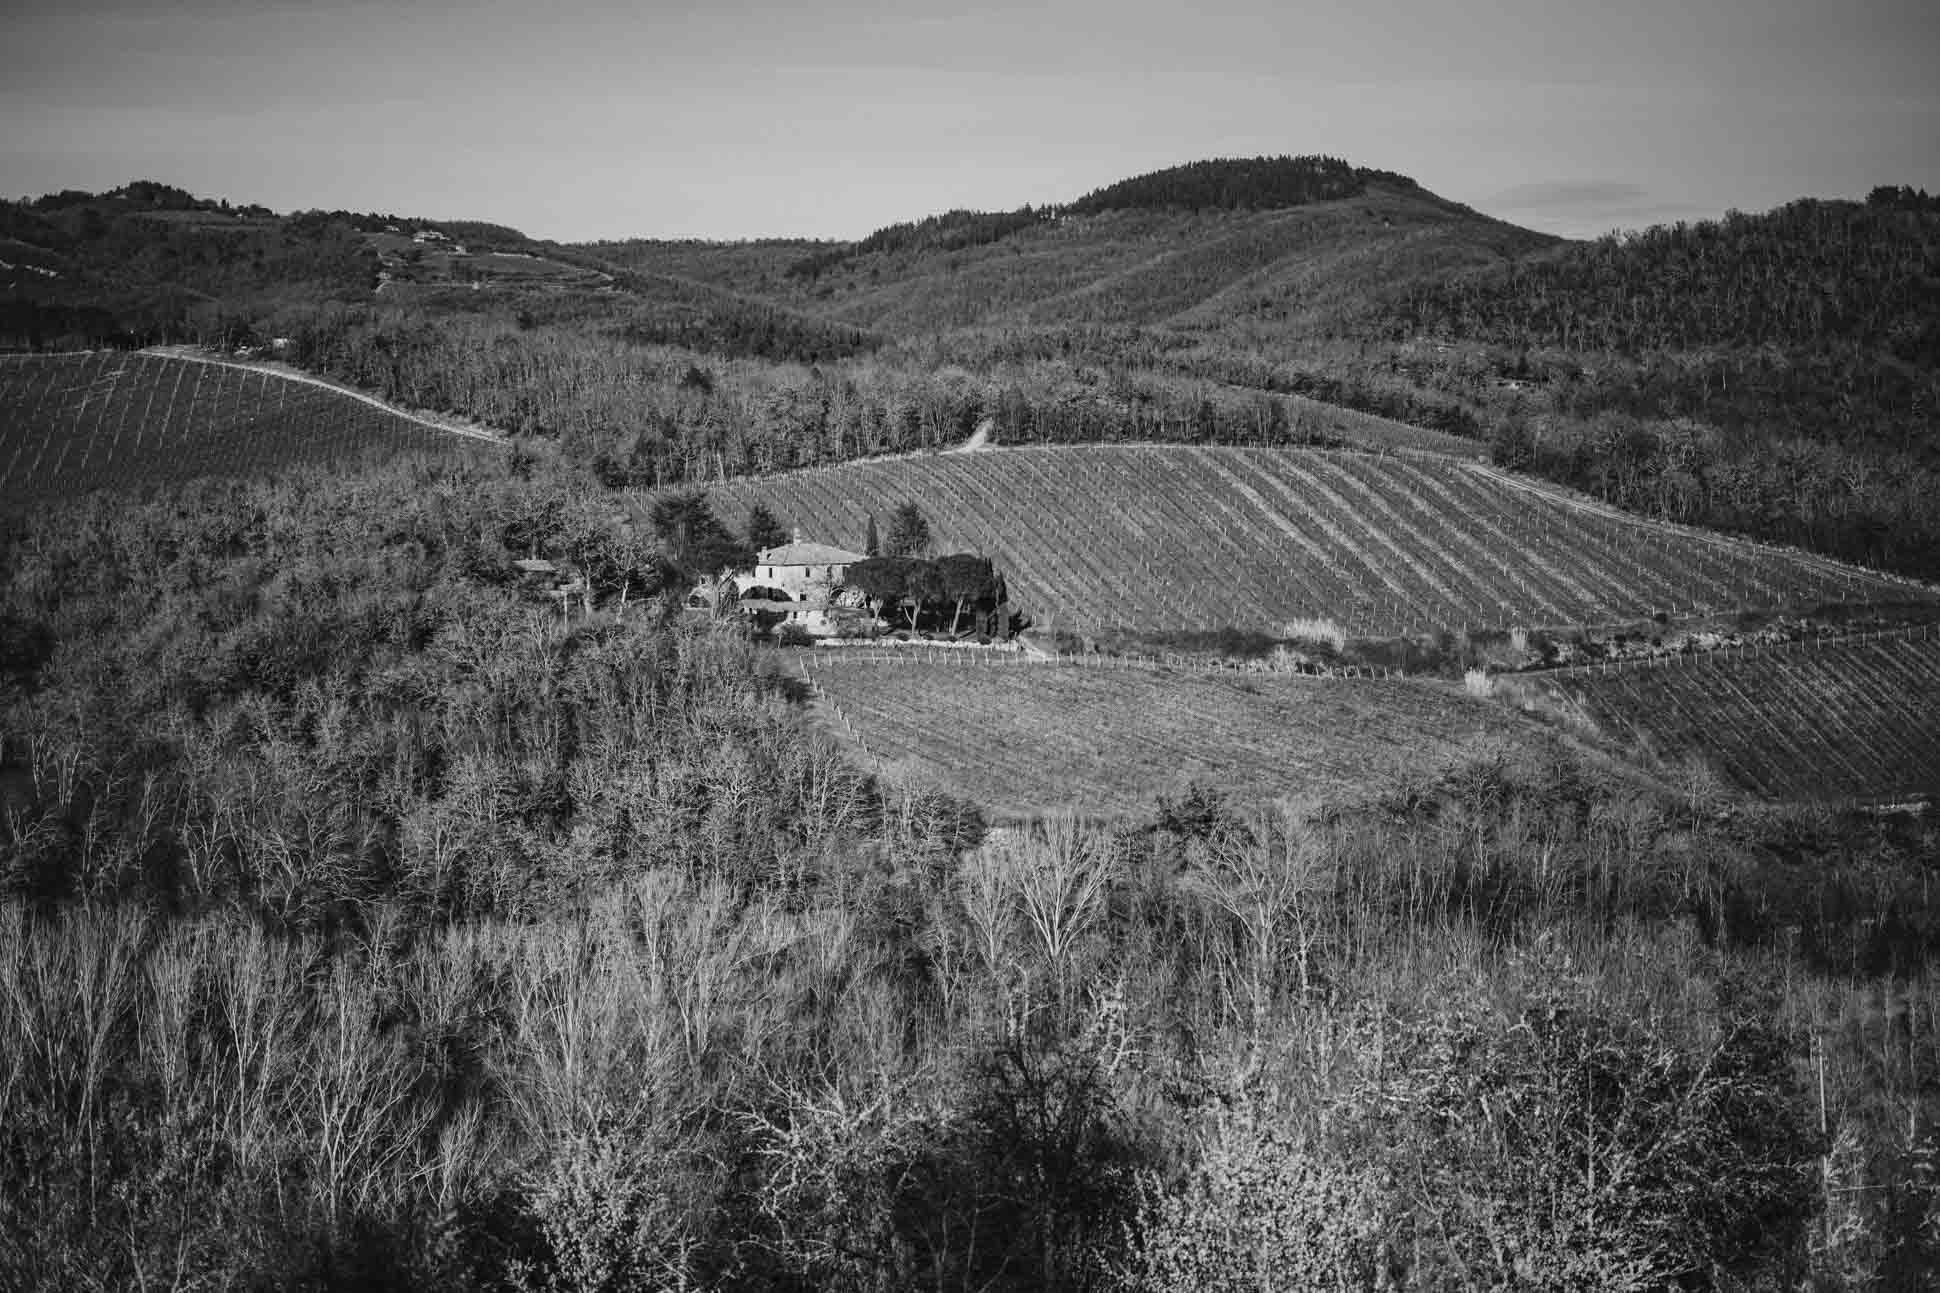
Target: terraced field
1849,720
108,419
1180,538
1022,738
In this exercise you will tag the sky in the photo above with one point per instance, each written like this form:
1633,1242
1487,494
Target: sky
736,119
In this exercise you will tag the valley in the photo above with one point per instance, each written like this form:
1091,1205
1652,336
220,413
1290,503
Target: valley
1426,781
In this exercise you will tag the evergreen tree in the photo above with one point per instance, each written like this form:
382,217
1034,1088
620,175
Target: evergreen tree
871,541
764,531
909,533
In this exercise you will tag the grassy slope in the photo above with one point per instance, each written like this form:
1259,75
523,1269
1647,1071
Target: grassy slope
1170,538
1024,739
74,423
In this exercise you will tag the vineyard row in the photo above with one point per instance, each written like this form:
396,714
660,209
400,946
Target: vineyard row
1167,538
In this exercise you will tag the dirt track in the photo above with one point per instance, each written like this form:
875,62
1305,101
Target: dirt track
431,421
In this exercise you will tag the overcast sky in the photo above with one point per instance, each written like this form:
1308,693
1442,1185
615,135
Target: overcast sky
745,118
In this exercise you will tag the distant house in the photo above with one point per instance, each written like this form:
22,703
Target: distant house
804,571
800,581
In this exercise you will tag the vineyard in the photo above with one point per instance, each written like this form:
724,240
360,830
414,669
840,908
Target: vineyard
108,419
1173,538
1852,719
1021,738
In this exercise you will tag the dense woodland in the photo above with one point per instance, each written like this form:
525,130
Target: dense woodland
1259,182
364,922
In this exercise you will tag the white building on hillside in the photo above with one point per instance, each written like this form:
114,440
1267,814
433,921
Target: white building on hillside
800,578
807,572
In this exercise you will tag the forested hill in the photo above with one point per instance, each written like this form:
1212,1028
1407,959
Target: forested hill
1275,245
148,263
1230,184
1774,373
1834,276
1224,184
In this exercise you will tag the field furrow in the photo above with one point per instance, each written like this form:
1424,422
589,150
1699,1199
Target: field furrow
1838,720
1024,739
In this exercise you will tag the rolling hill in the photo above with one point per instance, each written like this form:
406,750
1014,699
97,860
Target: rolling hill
1769,374
1199,247
1170,538
74,423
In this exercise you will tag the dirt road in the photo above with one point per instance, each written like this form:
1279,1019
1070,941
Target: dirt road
431,421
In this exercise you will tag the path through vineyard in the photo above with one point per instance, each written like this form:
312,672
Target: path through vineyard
83,421
432,421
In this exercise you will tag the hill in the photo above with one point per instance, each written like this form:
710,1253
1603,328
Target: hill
1848,719
1760,374
148,263
74,423
1176,539
1294,238
1767,374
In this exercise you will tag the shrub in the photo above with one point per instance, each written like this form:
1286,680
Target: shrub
1262,1210
1320,632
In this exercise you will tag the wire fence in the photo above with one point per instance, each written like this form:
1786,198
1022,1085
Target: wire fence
980,657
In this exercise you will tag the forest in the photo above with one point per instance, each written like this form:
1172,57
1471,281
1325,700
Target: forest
365,923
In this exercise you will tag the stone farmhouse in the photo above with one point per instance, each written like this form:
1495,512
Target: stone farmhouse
801,580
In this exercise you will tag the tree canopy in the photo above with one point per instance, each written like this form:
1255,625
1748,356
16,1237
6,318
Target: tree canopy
909,532
764,531
696,543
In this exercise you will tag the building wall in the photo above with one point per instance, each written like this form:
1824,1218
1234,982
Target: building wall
803,583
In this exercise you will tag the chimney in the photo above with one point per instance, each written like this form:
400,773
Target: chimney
798,534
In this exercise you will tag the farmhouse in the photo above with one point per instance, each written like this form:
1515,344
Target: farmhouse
804,572
800,579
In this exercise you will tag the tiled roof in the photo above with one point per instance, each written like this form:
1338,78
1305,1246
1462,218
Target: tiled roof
807,554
